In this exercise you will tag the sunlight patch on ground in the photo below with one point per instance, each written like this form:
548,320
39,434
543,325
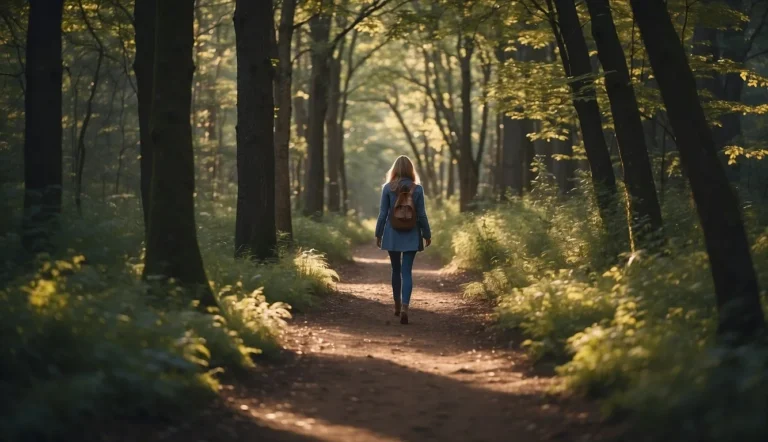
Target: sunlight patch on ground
280,417
385,262
361,260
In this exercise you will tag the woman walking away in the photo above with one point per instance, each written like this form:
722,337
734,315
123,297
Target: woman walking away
402,228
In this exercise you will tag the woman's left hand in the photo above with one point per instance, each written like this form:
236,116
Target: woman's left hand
427,243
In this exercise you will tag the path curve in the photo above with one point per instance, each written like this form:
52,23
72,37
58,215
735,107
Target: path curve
353,373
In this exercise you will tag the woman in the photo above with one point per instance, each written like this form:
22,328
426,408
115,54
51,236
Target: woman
402,245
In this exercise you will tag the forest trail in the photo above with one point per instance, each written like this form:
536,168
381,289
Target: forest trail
354,373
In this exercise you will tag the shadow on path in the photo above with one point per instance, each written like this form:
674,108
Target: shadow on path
353,373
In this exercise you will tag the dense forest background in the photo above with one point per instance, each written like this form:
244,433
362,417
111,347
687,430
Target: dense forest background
599,165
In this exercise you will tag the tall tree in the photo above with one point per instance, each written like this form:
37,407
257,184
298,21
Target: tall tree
144,13
469,170
283,130
575,58
643,204
42,127
172,249
736,288
334,129
320,31
255,230
321,51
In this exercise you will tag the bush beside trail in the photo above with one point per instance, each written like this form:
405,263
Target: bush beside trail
634,329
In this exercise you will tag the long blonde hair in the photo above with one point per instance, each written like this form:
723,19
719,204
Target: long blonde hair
401,168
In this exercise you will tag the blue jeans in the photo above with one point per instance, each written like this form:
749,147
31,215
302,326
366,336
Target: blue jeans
404,269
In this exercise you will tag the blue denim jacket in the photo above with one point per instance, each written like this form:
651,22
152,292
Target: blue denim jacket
396,240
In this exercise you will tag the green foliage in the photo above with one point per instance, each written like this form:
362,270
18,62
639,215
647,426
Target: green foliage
76,346
551,310
334,235
637,330
85,338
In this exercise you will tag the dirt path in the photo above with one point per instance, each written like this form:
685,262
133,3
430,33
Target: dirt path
353,373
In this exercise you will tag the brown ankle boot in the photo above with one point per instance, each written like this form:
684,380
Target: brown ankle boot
397,308
404,315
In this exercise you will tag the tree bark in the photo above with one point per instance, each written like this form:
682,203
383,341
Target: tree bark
283,219
575,57
333,131
320,28
143,66
42,127
643,204
741,316
255,230
512,164
468,171
172,249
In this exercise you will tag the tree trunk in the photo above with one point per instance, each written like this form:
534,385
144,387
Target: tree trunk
255,230
343,179
512,155
431,189
563,169
441,175
143,66
468,179
575,58
738,301
450,189
283,130
334,132
172,249
320,28
42,128
81,151
643,204
298,174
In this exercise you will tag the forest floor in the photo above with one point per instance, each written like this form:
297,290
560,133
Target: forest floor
352,372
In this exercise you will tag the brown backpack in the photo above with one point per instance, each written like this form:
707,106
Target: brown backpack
403,216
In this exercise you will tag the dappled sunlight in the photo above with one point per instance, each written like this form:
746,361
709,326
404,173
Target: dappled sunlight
192,193
333,397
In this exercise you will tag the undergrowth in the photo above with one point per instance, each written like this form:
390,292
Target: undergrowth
637,330
85,338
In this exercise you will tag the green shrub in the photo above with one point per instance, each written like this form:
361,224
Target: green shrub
322,235
85,339
76,347
635,329
551,310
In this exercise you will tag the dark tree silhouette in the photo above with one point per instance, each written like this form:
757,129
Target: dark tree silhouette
144,14
738,301
172,249
42,130
255,231
643,204
283,129
320,30
575,58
